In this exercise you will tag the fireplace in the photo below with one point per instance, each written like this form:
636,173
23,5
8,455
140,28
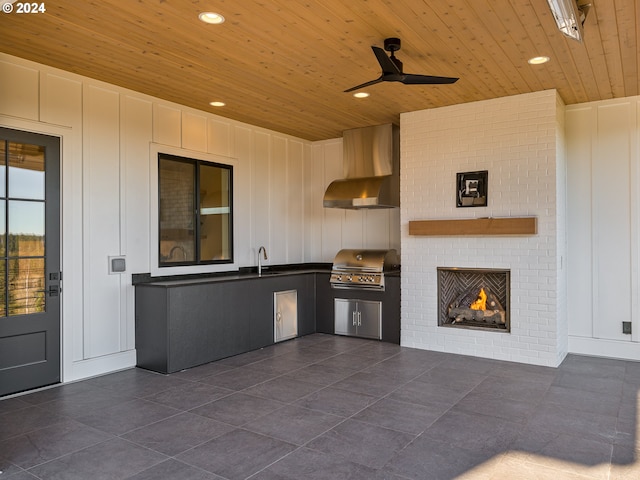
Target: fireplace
474,298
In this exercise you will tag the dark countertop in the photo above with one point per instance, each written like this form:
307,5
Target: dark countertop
241,274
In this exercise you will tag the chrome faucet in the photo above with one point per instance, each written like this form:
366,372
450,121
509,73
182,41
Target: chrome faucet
264,252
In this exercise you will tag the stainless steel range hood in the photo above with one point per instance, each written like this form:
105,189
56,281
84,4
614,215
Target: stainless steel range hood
371,157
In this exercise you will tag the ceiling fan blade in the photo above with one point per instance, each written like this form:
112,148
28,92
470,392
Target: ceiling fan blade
392,69
410,79
388,67
372,82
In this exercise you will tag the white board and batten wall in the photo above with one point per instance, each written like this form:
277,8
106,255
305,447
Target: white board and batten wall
331,229
603,226
109,139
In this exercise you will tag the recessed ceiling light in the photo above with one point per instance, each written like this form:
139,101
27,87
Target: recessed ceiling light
538,60
217,104
361,95
211,17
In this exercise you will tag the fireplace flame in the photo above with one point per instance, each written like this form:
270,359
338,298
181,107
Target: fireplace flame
481,301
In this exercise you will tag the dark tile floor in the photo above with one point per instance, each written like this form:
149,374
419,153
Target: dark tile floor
325,407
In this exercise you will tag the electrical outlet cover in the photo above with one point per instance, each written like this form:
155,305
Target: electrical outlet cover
117,265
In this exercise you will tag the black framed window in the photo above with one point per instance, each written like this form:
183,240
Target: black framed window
195,211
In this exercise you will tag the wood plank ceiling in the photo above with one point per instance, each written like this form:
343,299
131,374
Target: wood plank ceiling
284,64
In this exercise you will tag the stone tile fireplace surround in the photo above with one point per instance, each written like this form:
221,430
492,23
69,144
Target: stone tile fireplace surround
520,141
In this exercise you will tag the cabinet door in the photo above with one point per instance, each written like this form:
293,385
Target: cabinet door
345,316
391,311
152,328
285,322
261,307
369,319
306,286
324,304
204,324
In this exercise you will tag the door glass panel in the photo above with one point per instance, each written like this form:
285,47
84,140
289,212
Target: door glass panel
26,286
26,275
177,212
3,169
3,237
26,171
3,287
26,229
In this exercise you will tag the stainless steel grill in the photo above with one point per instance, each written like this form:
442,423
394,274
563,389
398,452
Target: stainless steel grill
362,269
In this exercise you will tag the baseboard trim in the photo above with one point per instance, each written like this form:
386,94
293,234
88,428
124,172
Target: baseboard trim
93,367
598,347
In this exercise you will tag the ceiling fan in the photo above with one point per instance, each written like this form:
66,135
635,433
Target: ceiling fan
392,69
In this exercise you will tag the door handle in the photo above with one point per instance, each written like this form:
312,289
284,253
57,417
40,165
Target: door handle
353,318
359,319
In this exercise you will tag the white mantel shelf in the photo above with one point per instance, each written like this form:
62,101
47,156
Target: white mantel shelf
475,226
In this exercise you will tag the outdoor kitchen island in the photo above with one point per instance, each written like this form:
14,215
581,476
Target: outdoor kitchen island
189,321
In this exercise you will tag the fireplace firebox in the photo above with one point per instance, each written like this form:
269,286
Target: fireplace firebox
474,298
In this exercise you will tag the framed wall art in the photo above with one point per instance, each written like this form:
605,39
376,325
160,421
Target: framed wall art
472,189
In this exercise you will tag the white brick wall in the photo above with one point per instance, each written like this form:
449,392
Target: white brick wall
516,140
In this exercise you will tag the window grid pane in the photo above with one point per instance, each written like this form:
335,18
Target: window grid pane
26,229
3,168
177,218
26,171
26,286
215,213
3,287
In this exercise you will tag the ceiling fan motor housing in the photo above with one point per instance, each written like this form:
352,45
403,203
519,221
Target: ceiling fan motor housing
392,44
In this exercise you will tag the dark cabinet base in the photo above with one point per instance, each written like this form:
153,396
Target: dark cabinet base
390,298
181,325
